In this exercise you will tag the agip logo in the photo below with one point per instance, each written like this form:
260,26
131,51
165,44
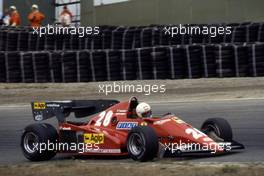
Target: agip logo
91,138
39,105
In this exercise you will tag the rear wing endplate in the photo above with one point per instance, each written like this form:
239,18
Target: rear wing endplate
62,109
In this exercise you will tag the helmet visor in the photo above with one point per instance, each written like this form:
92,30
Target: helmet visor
147,114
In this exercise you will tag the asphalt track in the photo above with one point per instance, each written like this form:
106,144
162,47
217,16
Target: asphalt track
245,116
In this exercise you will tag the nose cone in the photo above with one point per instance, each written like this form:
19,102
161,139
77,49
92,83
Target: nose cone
177,133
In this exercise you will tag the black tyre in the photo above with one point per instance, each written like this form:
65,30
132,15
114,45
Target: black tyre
219,127
38,134
142,143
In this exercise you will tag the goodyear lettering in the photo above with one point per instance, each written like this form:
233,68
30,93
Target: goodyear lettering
39,105
91,138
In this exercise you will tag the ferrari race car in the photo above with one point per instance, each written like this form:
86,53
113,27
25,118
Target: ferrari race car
115,129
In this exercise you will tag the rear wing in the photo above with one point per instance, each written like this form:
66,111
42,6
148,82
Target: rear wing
62,109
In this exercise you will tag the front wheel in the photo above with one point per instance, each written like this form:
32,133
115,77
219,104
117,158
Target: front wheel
142,143
35,140
218,129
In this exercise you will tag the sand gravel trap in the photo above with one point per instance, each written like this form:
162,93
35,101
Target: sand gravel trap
81,167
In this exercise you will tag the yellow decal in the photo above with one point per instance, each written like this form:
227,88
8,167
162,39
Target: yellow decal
39,105
91,138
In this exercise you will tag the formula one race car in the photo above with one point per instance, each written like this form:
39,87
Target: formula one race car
115,129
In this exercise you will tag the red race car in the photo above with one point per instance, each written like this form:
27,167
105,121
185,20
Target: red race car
117,129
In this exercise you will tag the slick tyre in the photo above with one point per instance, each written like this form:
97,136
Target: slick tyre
34,135
219,127
142,143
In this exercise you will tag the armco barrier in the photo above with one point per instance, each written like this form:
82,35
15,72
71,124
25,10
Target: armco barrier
162,62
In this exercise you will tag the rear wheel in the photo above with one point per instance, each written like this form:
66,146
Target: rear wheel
142,143
35,140
218,129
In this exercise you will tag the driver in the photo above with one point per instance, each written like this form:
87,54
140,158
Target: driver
143,110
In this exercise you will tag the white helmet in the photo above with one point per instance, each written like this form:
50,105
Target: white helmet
34,6
143,110
12,7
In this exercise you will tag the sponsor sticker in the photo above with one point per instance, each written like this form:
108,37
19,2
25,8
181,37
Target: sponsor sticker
126,125
160,122
38,117
53,105
104,151
39,105
93,138
177,120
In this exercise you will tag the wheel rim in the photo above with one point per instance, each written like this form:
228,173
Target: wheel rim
136,144
212,128
30,142
213,132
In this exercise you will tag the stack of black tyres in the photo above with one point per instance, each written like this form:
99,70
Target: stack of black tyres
241,60
209,64
27,67
23,40
130,64
84,66
97,41
256,59
114,65
88,42
50,42
261,32
239,34
177,62
32,41
75,42
99,65
107,38
13,67
225,61
117,38
164,38
42,67
228,38
55,62
41,41
67,42
59,42
137,38
197,37
128,38
2,67
145,63
12,40
156,35
146,37
177,39
194,61
160,60
253,32
214,38
69,66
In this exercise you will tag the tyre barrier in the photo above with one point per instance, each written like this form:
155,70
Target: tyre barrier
173,62
119,37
